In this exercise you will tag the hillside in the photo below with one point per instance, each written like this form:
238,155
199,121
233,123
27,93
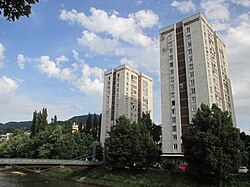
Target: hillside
25,125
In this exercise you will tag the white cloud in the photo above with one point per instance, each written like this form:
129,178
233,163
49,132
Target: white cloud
2,49
139,1
240,34
124,60
145,18
242,2
61,59
238,43
184,6
96,43
215,9
50,68
125,29
143,58
90,82
76,56
21,61
86,79
8,86
217,12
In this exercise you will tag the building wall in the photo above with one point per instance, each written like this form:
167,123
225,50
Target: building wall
194,70
126,92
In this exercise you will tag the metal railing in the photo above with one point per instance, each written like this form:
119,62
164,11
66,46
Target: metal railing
17,161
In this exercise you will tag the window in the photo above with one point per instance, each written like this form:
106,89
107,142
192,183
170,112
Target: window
190,51
191,74
174,128
118,74
189,44
171,79
174,119
173,111
192,90
193,99
175,137
190,59
172,87
171,57
192,82
175,146
169,44
170,37
194,109
191,67
172,95
188,30
171,72
173,103
171,64
189,37
170,50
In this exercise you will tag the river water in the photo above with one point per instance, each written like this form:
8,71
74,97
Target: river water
9,178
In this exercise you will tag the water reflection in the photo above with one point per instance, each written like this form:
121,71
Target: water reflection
11,178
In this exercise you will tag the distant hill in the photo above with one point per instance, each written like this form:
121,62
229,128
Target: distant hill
81,119
10,126
25,125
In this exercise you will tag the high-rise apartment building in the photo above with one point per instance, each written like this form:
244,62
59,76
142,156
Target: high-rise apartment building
126,92
194,70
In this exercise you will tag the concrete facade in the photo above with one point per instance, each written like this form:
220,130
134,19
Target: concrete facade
194,70
126,92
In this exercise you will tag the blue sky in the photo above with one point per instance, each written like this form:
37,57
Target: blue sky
56,58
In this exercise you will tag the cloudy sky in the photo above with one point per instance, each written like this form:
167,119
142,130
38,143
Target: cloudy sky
56,58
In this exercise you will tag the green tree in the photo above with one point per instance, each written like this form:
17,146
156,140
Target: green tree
146,121
88,124
94,127
129,145
80,127
3,146
39,122
18,146
14,9
83,142
212,146
246,140
99,127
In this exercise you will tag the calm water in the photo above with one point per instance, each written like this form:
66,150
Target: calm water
8,179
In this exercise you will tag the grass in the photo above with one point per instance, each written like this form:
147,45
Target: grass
136,178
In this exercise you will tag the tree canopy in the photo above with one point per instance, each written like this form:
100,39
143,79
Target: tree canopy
14,9
129,145
52,141
212,146
246,140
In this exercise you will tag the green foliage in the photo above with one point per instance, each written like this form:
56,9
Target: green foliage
52,141
39,121
94,130
14,9
212,146
146,121
17,146
88,123
129,145
246,140
154,129
83,142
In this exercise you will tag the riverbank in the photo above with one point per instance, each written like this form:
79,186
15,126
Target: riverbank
136,178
